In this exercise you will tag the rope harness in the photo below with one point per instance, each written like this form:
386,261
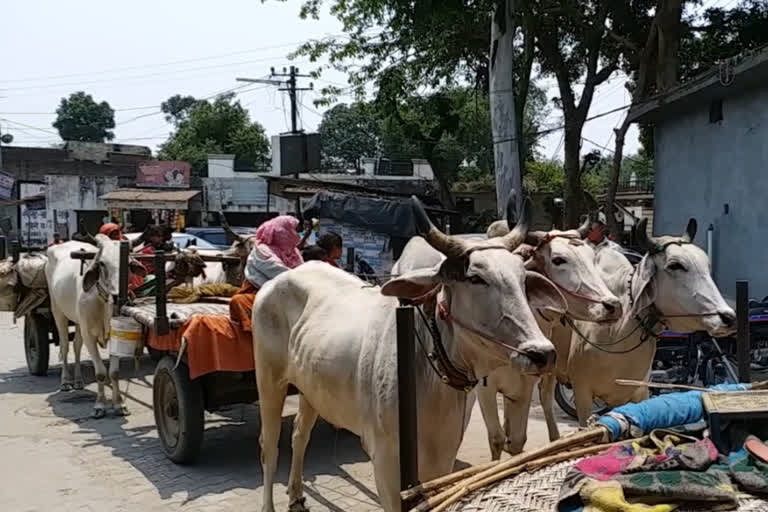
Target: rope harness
647,323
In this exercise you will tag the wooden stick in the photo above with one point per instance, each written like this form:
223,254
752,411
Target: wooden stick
529,466
578,439
437,483
658,385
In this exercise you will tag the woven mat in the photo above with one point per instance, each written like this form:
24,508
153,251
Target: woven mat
143,311
537,492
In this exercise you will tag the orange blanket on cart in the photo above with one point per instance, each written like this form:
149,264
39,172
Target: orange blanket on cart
214,343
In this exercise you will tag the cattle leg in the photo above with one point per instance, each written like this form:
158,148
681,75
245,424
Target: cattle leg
486,396
271,400
79,384
387,472
302,428
99,408
583,398
62,326
516,409
114,378
547,399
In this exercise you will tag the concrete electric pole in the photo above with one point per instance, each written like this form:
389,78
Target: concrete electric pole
506,141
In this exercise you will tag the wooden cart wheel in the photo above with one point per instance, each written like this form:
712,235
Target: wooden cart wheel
179,414
36,344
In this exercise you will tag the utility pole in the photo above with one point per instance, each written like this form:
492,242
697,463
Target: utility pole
6,138
287,82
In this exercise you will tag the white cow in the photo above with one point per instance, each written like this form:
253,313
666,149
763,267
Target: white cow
568,262
333,336
87,301
670,288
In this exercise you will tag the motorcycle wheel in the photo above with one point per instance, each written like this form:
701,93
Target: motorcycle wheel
565,398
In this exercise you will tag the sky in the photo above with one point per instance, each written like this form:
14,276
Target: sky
135,55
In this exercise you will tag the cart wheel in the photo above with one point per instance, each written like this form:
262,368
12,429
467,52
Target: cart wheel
565,398
36,344
178,405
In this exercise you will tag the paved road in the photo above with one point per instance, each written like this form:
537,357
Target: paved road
55,457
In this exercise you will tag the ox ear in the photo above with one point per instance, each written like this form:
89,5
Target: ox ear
643,288
412,284
91,276
543,295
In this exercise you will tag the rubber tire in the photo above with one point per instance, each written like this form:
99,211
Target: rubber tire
36,332
189,395
568,408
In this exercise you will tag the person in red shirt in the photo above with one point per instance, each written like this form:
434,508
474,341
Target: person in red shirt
331,243
111,230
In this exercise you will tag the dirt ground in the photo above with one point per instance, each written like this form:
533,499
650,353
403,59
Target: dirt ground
54,456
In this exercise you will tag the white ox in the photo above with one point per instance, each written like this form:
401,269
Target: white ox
333,336
568,262
87,301
670,288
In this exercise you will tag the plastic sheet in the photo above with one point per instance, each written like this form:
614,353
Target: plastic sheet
663,411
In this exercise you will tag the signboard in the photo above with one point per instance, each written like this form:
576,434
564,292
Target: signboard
6,185
33,223
161,174
294,148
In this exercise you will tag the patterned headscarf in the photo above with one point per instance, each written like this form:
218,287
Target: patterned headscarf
280,236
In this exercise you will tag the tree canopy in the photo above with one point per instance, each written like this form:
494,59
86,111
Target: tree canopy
348,132
81,118
218,126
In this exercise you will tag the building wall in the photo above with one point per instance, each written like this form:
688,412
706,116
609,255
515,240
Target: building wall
703,168
65,195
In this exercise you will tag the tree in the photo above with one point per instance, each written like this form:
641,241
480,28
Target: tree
80,118
348,132
177,108
221,126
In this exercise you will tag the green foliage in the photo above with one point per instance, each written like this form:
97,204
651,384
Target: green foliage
80,118
177,108
221,126
347,133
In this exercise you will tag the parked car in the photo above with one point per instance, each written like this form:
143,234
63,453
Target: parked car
216,236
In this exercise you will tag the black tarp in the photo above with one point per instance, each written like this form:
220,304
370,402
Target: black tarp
393,217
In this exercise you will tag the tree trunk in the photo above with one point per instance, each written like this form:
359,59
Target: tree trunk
574,194
613,181
504,125
668,17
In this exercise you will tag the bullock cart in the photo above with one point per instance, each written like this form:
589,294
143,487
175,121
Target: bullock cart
205,361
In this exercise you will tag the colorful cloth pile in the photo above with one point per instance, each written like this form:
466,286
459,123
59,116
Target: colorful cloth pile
668,469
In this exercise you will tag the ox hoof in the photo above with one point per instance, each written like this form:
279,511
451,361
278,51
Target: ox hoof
99,413
79,384
65,387
300,505
122,411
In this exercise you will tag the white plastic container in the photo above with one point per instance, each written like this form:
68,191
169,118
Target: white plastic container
125,336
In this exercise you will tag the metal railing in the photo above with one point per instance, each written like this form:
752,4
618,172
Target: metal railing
636,187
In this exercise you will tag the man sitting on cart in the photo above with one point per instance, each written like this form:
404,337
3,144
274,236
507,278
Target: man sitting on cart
275,251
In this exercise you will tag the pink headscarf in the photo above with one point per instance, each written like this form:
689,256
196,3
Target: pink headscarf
280,236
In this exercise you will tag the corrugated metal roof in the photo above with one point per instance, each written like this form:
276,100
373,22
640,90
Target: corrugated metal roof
142,194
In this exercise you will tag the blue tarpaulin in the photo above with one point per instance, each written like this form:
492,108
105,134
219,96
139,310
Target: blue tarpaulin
663,411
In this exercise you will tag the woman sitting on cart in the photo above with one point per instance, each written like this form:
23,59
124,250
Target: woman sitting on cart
275,251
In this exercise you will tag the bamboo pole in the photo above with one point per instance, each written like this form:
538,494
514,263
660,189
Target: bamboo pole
529,466
577,439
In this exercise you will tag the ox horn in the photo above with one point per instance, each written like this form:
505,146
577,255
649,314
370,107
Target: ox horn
228,229
583,230
519,233
532,238
690,231
641,235
451,247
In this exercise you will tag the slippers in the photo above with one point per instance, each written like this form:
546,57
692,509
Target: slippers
757,448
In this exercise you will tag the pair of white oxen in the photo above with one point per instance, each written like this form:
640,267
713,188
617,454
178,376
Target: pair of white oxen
493,307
